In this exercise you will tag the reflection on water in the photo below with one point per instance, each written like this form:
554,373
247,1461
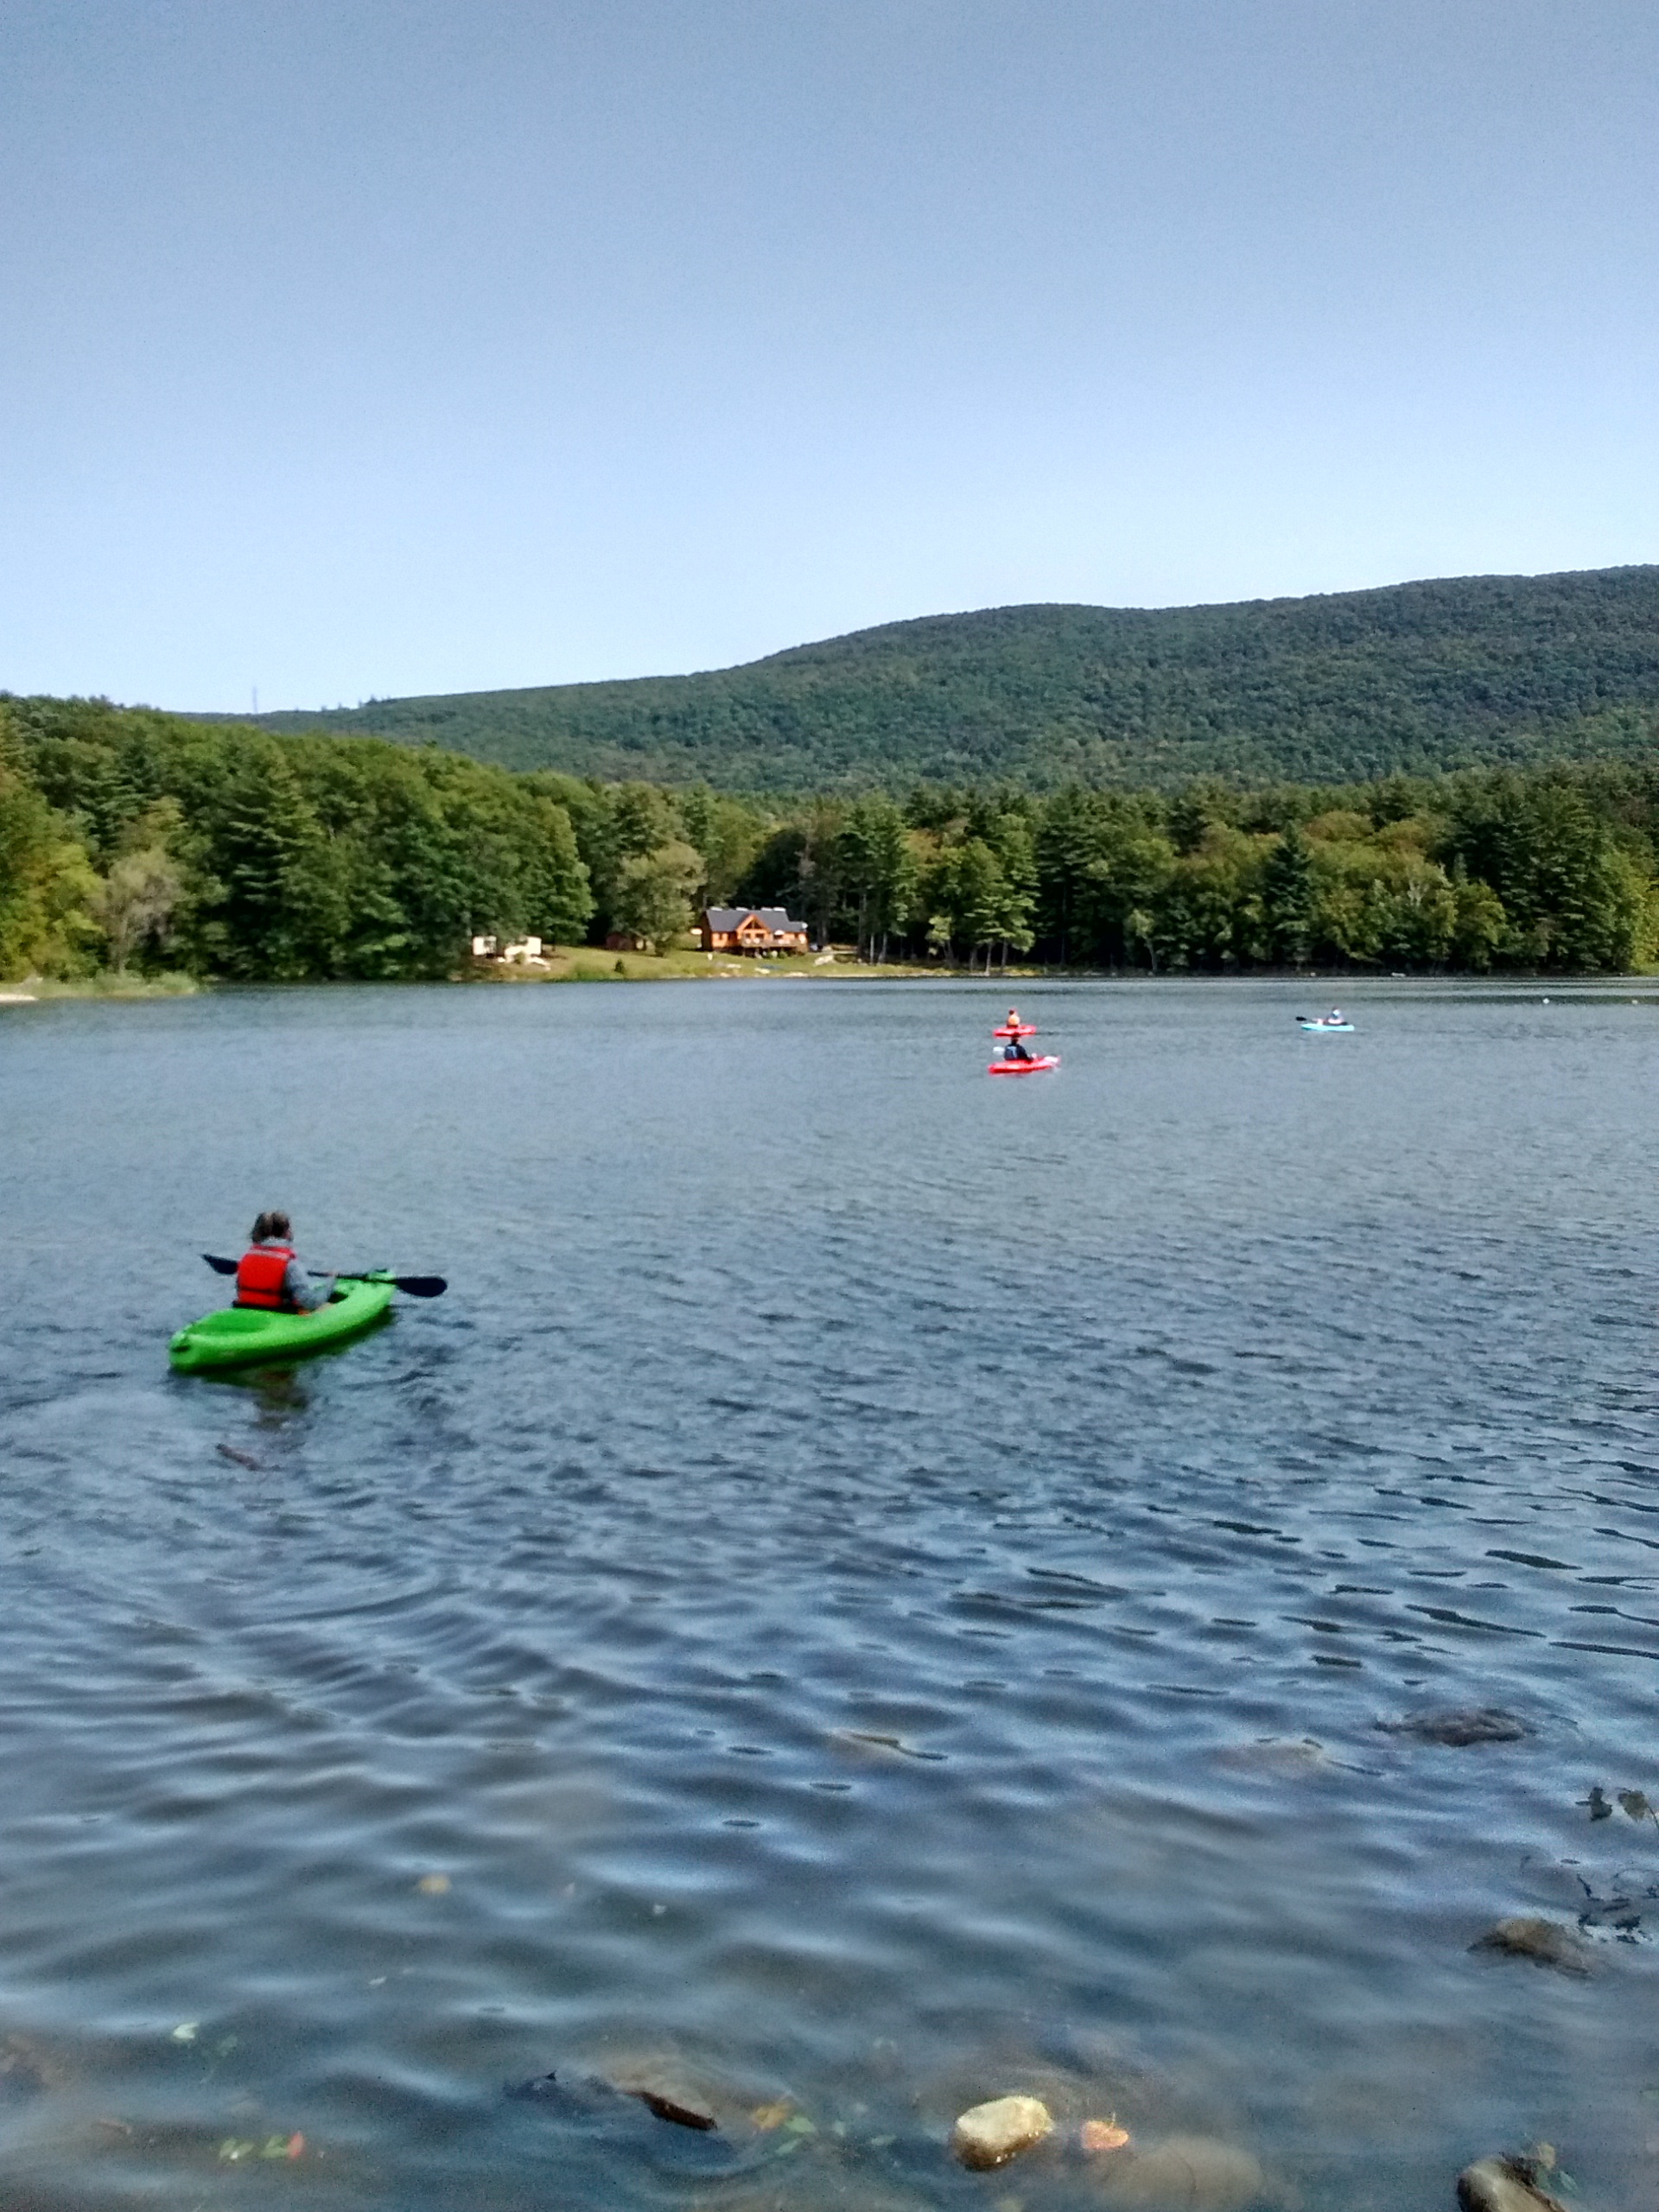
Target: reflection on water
875,1589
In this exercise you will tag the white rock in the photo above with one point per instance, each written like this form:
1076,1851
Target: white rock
990,2135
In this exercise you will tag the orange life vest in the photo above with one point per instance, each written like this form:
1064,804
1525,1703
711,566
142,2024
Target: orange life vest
260,1276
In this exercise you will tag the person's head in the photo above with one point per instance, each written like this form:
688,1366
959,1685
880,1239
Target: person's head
272,1225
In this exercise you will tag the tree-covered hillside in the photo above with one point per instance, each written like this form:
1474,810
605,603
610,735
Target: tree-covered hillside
134,841
1414,679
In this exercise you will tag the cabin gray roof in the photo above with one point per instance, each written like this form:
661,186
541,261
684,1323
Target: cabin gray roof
727,918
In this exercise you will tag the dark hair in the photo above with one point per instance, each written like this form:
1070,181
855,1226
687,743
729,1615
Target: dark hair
272,1225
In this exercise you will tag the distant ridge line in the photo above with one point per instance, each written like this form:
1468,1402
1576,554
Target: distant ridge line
1329,687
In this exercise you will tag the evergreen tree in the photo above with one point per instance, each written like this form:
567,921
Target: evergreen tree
1288,892
268,848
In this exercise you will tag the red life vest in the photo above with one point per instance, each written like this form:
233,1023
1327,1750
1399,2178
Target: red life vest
260,1276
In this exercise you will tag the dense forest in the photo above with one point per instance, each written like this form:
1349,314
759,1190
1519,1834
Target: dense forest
132,840
1413,679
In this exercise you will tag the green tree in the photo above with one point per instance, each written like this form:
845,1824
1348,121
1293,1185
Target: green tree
1193,813
1481,927
144,888
624,822
271,866
136,900
773,877
726,834
1574,899
877,873
46,884
1287,891
558,903
654,894
819,881
967,890
1097,858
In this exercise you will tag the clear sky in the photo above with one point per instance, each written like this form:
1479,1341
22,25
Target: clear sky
355,347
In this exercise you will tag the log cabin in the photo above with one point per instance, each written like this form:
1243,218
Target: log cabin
752,930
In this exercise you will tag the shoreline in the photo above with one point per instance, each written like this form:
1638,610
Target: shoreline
594,964
32,990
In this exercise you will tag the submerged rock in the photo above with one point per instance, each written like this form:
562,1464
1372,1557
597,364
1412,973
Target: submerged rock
682,2106
1545,1942
1188,2173
667,2108
990,2135
540,2086
1275,1755
25,2071
668,2089
800,2188
1461,1727
1503,2184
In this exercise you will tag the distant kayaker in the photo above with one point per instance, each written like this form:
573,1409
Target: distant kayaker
1334,1016
269,1276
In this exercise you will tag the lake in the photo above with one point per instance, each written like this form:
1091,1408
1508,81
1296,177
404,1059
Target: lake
874,1589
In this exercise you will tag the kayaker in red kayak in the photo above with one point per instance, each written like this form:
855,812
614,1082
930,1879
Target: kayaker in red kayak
269,1276
1015,1048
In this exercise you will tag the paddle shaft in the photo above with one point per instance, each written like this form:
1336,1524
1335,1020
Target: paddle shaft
411,1285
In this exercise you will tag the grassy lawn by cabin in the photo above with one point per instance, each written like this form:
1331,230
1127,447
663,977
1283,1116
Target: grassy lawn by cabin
588,964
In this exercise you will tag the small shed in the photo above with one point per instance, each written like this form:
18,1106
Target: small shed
752,928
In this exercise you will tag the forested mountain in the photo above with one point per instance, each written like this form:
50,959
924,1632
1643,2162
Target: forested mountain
1415,679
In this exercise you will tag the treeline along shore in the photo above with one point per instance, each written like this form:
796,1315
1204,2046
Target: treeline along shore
143,842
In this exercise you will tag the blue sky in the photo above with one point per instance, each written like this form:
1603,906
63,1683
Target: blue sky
380,346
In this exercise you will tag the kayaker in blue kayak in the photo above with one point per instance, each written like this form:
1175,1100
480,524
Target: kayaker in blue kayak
270,1275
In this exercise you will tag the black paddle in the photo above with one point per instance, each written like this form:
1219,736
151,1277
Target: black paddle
411,1285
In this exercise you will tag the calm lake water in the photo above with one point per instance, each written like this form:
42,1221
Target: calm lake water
876,1588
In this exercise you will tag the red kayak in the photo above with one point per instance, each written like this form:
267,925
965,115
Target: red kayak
1040,1066
1015,1029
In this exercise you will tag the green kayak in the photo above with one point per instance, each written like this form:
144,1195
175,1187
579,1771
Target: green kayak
237,1336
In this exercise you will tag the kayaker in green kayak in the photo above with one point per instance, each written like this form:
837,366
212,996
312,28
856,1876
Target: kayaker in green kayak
269,1276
